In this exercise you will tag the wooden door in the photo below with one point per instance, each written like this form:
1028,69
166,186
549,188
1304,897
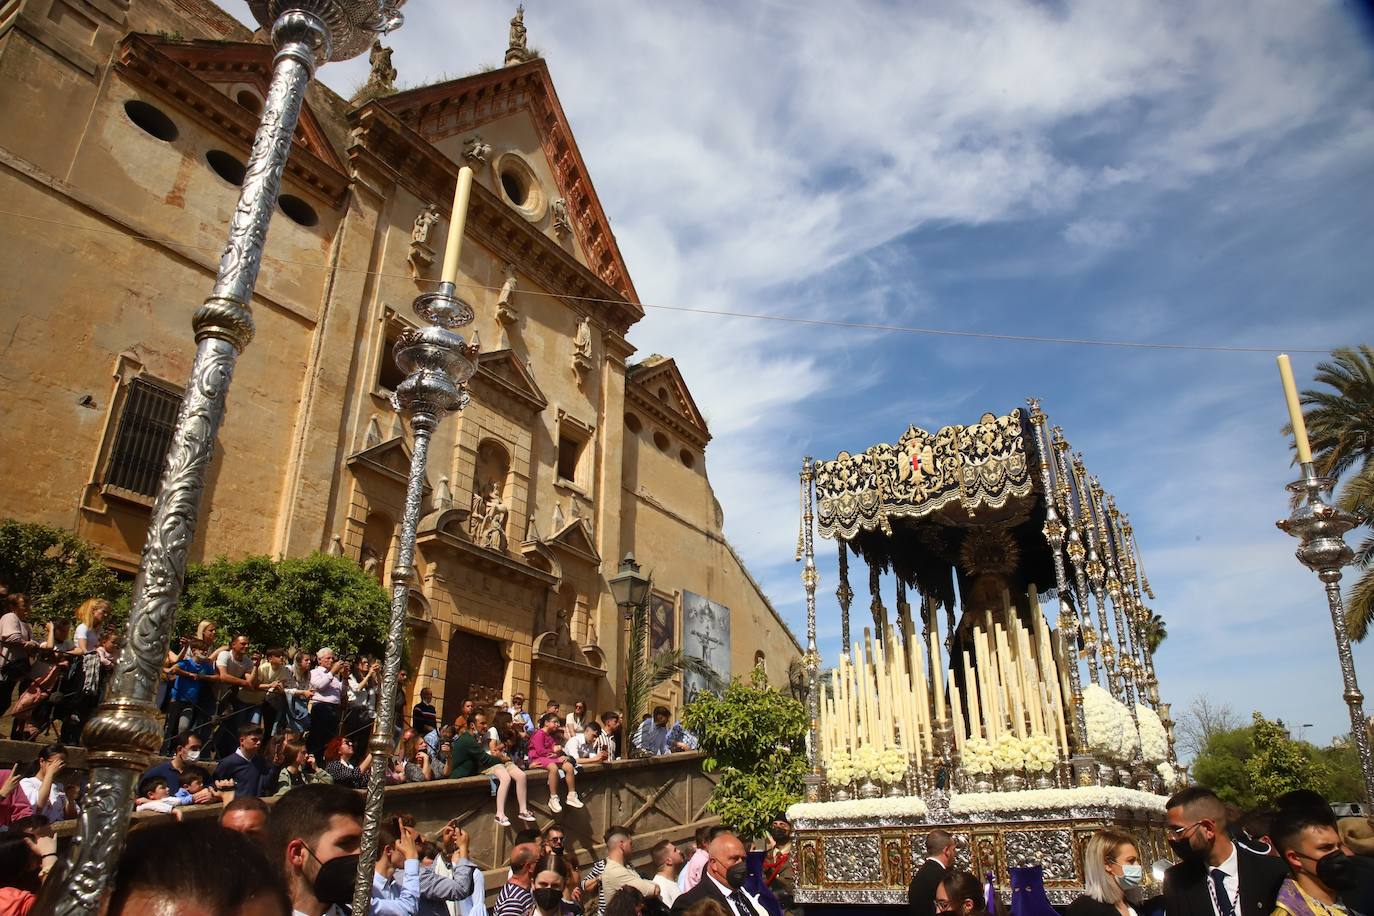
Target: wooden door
476,671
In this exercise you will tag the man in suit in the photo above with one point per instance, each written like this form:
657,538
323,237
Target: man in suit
723,880
1214,877
920,896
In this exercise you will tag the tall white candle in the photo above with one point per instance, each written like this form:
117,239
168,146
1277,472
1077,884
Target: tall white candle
457,222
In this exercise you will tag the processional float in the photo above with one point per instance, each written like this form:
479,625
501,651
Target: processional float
965,708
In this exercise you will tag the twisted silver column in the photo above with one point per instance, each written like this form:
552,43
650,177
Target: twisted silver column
438,364
1320,529
1066,491
124,735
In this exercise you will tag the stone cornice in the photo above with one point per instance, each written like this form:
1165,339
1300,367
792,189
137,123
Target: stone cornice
142,60
462,105
664,415
391,147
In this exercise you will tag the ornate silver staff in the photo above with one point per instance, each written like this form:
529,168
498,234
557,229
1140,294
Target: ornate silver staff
438,364
126,732
810,579
1320,529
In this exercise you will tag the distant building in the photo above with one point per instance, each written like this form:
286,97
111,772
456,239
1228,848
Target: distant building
124,131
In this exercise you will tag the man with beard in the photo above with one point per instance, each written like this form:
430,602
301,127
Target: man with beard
1214,877
315,833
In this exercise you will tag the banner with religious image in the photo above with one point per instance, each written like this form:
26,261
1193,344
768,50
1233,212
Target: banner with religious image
706,635
662,620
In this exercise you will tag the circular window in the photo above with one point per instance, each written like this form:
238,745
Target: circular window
226,166
687,458
661,441
248,99
151,120
297,210
520,186
632,423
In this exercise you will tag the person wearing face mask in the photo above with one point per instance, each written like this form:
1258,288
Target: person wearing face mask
723,880
920,896
1214,876
1321,870
1112,876
185,753
314,836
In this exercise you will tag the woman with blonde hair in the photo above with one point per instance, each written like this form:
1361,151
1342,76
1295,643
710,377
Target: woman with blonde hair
90,622
1112,876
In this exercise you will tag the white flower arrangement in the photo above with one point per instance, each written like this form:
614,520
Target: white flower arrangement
892,765
1111,733
1154,741
1009,755
1052,799
976,757
875,808
865,760
839,769
1040,754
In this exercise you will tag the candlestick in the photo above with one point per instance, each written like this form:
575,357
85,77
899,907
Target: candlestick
457,221
1290,393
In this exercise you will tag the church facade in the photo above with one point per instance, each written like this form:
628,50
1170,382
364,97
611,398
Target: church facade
124,129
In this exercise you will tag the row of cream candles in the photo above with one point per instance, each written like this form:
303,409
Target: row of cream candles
876,701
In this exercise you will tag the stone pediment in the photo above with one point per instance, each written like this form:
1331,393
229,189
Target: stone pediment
389,459
656,384
195,76
463,105
575,538
504,371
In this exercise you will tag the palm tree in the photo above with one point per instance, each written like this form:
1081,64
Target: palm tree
1340,425
1155,632
643,674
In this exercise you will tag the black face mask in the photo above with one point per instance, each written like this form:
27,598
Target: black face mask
549,899
1186,853
1337,871
735,875
780,835
334,881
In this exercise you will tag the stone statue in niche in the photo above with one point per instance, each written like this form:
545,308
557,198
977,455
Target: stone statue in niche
477,514
371,562
505,312
561,224
493,530
582,349
475,151
423,223
563,634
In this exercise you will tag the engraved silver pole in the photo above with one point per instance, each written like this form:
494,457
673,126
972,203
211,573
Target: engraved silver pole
810,579
1321,528
123,737
438,364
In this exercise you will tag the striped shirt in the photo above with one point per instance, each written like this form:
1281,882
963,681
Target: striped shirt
513,900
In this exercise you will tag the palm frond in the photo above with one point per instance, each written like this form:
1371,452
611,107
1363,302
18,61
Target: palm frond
1357,493
1359,606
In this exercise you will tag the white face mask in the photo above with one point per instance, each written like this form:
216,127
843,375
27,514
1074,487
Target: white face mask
193,755
1131,875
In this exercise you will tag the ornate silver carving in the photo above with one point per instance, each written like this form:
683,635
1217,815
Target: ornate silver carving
350,25
853,859
438,363
124,735
810,579
1320,529
1051,848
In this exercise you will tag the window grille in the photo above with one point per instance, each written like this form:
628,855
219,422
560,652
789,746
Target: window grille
143,438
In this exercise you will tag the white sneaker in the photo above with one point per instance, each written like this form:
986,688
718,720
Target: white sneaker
574,801
555,806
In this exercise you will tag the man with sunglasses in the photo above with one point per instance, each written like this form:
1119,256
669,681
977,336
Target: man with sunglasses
1214,877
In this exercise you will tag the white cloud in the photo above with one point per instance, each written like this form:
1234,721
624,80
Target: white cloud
1097,233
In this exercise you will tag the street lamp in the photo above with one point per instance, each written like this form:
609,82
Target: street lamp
630,587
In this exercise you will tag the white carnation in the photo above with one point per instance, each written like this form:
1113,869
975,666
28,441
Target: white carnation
1154,740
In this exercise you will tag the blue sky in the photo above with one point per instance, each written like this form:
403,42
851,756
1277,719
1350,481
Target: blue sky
1144,171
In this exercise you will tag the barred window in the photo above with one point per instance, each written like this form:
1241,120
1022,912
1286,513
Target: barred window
144,436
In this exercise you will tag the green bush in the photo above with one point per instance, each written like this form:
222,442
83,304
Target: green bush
56,569
754,736
307,602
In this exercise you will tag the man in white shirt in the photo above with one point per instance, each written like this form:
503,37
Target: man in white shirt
667,860
391,897
236,671
583,746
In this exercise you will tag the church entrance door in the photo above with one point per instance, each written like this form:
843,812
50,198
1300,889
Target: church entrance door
476,671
